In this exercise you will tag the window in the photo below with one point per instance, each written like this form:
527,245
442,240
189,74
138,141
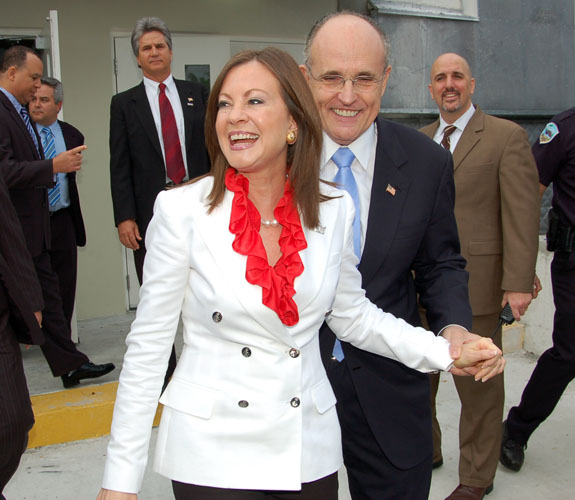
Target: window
466,10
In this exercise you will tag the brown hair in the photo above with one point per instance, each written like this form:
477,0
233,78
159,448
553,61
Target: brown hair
303,157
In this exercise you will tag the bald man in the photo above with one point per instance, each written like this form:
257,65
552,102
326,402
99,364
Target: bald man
497,212
408,246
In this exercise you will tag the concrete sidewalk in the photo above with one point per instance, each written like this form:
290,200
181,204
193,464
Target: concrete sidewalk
73,471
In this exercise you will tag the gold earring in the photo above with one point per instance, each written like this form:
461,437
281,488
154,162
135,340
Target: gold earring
291,137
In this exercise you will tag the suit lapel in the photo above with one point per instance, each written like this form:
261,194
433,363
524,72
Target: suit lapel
215,232
187,101
144,113
470,137
20,125
388,195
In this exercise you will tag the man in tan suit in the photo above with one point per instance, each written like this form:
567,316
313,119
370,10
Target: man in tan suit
497,212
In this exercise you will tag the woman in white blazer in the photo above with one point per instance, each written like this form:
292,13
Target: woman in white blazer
254,257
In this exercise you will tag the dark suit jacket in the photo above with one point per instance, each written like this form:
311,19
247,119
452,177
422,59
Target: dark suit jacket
497,208
74,138
27,176
411,248
137,170
20,293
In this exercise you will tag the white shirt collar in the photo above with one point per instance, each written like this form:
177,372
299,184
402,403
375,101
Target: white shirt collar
460,123
361,147
153,85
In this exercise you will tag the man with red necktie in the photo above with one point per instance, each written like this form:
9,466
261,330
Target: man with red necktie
156,136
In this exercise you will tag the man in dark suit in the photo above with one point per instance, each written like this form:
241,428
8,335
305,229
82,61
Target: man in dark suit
20,318
156,136
497,213
408,246
28,175
66,222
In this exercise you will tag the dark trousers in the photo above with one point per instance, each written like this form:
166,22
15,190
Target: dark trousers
64,258
371,475
322,489
556,366
16,417
480,417
59,350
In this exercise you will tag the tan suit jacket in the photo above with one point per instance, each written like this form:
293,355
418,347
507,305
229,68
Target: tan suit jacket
496,207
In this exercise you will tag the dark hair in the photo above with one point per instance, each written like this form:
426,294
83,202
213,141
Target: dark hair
56,86
16,56
317,26
303,157
145,25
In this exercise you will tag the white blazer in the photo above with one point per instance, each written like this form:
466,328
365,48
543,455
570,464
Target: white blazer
249,405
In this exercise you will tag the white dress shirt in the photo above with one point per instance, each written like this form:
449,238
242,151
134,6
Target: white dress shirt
153,92
459,124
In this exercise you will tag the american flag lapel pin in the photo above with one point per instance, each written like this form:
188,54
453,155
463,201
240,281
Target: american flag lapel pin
390,189
190,101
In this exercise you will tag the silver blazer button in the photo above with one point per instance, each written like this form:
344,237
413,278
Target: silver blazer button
294,353
217,317
295,402
243,404
246,352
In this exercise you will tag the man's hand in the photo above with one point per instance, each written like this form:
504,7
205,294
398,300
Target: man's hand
457,336
482,357
129,234
68,161
38,315
519,302
537,287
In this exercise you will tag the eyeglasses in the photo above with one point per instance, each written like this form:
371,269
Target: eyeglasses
335,82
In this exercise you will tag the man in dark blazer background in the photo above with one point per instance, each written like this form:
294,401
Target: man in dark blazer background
20,318
28,175
409,246
497,212
66,222
140,162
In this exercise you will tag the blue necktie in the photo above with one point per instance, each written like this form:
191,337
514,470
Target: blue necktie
49,146
26,117
343,158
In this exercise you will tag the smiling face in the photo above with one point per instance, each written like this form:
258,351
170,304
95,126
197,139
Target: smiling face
43,108
347,46
253,120
154,56
451,86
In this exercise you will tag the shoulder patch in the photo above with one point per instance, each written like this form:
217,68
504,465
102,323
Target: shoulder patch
548,133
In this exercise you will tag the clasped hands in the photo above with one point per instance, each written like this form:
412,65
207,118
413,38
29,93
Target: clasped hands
472,354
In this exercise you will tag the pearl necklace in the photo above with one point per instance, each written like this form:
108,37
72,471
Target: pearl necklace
267,223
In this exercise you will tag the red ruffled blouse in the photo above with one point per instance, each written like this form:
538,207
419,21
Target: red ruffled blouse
277,281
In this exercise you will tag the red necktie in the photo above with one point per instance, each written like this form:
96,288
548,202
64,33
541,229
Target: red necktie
172,147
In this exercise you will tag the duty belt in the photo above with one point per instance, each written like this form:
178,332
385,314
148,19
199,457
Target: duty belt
560,237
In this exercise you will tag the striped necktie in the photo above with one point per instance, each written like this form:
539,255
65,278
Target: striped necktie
26,117
343,158
172,148
49,146
446,140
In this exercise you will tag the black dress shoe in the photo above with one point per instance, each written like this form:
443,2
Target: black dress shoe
437,464
87,370
512,453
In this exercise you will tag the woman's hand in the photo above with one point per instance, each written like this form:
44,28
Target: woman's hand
480,358
115,495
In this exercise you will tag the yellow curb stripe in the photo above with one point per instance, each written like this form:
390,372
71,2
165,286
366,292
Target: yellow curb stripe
74,414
